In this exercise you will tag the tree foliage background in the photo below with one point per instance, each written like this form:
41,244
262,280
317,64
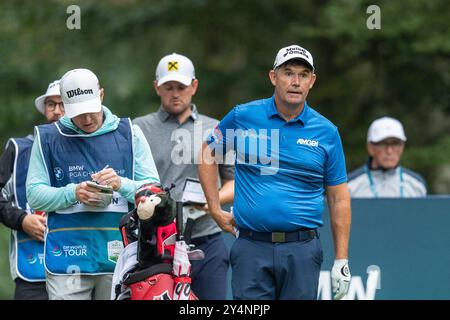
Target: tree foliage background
400,70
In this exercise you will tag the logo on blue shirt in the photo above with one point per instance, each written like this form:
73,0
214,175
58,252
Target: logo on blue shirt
308,142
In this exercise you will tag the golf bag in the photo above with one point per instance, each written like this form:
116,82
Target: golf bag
154,264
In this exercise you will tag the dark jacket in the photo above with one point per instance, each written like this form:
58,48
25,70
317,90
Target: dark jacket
10,216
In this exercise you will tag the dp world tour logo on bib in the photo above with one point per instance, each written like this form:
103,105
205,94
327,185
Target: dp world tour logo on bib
31,259
56,251
59,173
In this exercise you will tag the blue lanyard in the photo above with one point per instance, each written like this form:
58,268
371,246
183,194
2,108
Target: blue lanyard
372,183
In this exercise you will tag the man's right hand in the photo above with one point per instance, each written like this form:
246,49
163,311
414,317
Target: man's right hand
34,225
225,220
87,195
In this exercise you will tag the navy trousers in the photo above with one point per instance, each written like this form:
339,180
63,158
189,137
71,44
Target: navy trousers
275,271
209,276
29,290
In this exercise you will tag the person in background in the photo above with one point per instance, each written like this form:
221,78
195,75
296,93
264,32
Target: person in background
382,175
26,247
175,134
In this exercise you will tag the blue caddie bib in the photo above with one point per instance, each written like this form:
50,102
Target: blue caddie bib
85,239
26,254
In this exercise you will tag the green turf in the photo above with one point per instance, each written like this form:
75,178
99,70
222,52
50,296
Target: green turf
6,284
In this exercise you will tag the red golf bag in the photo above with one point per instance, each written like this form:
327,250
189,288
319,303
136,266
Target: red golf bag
146,270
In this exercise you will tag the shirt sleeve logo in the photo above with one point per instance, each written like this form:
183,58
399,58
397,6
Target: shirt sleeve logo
217,135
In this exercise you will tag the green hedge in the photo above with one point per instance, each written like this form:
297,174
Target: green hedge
6,284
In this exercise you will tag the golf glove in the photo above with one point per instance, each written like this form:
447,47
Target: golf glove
181,264
340,278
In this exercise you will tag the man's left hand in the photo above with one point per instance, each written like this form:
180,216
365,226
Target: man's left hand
340,278
203,207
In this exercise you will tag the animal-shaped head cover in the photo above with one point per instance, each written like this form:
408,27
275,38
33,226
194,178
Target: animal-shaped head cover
154,204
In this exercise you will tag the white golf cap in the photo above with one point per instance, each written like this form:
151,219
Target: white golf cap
385,127
175,67
80,92
52,90
293,52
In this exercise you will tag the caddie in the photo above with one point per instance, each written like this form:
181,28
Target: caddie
82,238
26,248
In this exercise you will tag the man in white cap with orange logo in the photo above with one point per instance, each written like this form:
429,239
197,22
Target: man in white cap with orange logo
175,133
382,176
84,172
27,225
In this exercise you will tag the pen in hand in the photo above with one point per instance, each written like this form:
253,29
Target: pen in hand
95,180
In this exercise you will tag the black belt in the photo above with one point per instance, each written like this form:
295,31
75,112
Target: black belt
280,237
200,240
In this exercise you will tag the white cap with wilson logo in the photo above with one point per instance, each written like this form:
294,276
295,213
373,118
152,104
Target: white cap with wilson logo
80,92
293,52
175,67
52,90
385,127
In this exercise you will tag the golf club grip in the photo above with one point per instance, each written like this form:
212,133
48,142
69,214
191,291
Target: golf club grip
188,230
179,218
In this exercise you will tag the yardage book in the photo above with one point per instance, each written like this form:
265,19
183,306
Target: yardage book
193,192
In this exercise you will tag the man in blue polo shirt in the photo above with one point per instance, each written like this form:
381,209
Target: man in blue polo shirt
286,155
